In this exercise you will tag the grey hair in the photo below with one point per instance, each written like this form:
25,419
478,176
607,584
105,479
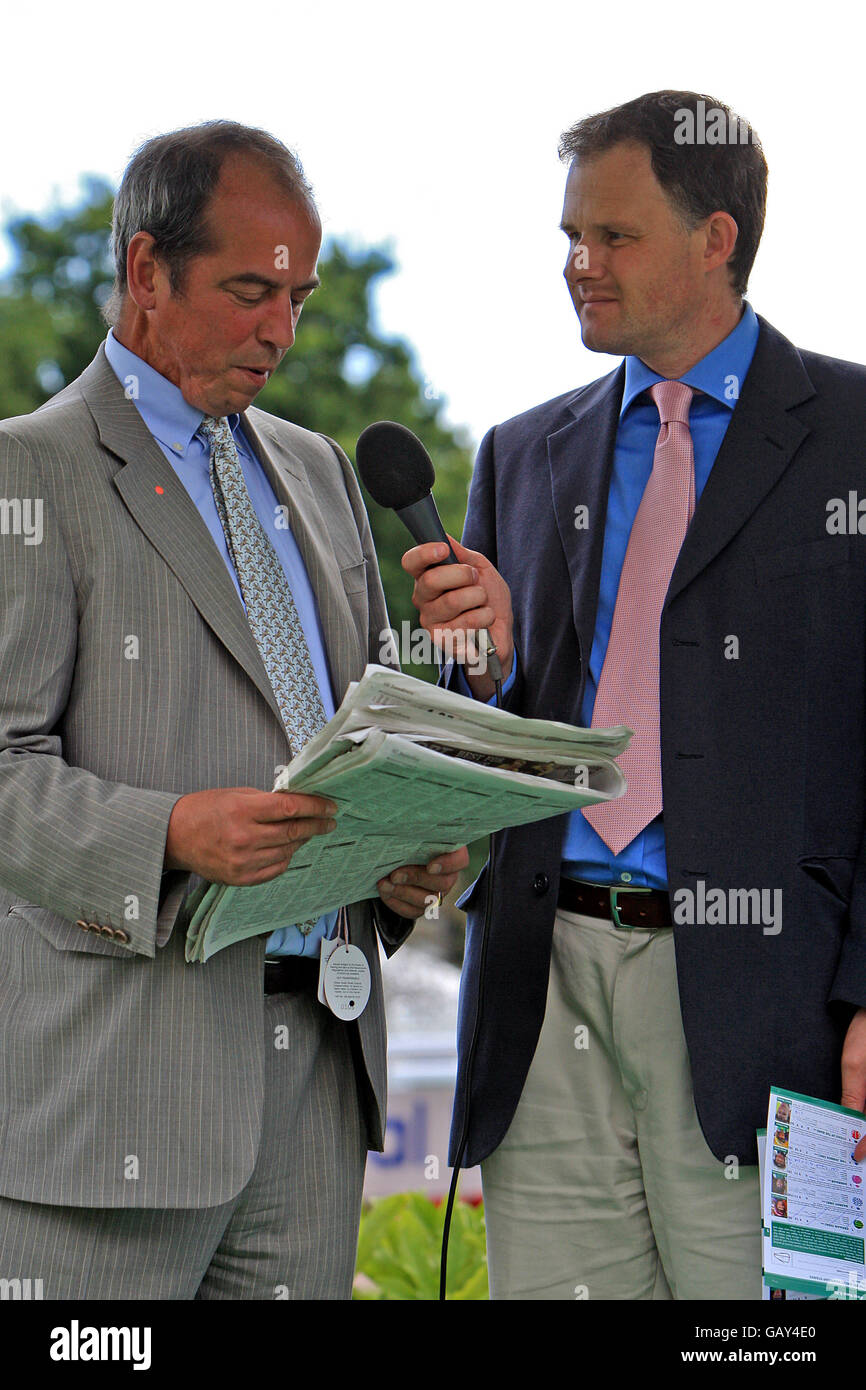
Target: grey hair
168,185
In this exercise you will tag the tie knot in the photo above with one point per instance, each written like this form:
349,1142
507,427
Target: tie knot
673,399
216,431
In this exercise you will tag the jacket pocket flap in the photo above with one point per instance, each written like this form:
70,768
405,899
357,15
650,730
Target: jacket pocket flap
354,577
801,559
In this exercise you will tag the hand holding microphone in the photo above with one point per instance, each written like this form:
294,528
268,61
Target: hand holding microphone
463,598
457,591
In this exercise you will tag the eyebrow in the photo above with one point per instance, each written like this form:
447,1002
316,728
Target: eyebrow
251,278
604,227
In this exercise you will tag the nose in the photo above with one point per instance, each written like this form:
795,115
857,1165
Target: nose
277,326
584,262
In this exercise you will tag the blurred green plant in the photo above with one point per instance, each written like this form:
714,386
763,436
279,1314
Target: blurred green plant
399,1248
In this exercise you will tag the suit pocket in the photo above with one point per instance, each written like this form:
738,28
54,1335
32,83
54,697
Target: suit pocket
834,873
354,578
805,558
64,935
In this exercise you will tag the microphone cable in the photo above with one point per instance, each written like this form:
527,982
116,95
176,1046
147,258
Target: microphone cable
470,1058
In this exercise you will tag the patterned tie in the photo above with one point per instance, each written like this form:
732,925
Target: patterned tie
628,688
271,611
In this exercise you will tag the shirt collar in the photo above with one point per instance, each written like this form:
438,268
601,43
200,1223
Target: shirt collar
720,374
169,417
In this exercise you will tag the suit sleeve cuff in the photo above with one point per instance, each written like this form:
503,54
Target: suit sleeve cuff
849,984
172,891
464,688
392,928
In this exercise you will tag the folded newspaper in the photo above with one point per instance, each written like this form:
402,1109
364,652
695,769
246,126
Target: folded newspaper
415,771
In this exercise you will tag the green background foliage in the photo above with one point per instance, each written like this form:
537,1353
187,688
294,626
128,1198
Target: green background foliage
399,1248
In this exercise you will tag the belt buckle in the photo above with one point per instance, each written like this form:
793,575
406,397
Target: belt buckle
615,888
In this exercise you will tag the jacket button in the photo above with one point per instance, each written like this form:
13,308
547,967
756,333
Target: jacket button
540,885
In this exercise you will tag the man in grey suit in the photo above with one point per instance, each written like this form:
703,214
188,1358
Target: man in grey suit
201,589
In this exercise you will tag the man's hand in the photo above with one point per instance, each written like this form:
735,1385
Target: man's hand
240,835
461,599
407,891
854,1071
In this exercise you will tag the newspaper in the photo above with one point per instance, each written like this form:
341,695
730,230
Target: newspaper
415,771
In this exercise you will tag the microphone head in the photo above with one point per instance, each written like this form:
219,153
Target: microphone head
395,467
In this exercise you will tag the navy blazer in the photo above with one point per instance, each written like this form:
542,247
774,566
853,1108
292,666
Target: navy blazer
762,754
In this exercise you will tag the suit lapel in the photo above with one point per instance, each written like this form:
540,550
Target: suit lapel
758,446
580,459
759,443
171,521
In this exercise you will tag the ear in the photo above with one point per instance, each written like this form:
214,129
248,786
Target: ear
721,232
142,271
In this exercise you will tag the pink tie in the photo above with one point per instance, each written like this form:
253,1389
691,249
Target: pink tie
628,688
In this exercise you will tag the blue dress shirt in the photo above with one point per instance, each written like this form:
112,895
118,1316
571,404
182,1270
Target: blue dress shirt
719,376
174,424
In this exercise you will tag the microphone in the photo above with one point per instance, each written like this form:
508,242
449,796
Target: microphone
398,473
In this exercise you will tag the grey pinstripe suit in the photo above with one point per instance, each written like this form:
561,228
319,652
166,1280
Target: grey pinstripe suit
111,1047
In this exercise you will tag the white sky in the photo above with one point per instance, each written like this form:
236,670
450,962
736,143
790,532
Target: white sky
435,128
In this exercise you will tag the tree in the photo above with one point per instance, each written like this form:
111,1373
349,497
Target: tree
340,375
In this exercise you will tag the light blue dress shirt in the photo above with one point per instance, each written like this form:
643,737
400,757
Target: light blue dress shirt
174,423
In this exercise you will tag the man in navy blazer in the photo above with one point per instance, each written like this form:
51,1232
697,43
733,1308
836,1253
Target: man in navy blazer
628,1039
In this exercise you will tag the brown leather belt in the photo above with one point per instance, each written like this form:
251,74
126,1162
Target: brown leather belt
618,903
291,974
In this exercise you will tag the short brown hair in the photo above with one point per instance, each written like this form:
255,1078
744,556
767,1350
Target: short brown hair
699,176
